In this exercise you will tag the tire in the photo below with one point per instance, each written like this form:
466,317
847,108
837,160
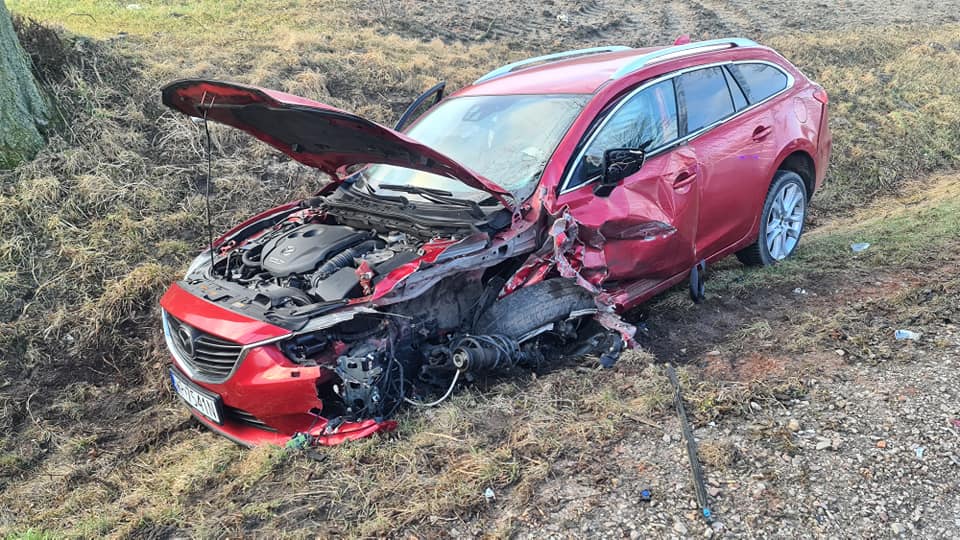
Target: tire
779,232
533,307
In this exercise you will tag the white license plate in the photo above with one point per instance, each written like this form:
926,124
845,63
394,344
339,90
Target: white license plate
199,400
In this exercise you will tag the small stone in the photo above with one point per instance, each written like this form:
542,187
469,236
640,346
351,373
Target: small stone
823,443
835,443
679,528
897,528
755,406
793,425
840,352
758,490
713,353
713,491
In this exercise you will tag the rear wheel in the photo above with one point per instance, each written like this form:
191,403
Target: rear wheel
781,221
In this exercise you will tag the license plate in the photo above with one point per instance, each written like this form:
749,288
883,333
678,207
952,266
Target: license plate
205,403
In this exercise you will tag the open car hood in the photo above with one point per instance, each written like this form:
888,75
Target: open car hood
315,134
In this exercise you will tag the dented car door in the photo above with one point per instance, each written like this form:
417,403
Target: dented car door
647,225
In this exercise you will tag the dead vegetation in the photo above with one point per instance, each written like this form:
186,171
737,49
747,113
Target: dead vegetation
93,443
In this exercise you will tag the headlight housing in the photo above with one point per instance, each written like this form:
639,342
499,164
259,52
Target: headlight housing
202,261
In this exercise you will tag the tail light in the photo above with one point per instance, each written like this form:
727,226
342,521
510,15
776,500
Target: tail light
821,95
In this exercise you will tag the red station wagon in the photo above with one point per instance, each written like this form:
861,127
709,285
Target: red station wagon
508,225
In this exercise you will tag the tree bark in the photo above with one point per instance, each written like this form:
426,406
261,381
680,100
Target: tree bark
24,114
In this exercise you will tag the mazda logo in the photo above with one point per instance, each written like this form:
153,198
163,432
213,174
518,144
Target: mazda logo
185,338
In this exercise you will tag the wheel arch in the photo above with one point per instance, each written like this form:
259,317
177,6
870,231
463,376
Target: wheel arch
800,162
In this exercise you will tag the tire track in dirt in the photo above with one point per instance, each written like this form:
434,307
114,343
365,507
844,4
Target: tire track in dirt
707,24
745,22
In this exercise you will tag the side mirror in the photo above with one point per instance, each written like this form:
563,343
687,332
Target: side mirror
618,163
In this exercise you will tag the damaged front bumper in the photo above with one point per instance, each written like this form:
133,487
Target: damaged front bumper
263,397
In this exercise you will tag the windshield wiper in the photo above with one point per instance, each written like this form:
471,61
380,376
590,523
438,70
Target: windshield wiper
438,196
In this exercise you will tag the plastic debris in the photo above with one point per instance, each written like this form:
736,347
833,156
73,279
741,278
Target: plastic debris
645,495
489,495
955,423
919,450
298,441
907,334
859,246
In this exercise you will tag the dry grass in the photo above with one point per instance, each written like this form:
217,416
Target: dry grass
111,211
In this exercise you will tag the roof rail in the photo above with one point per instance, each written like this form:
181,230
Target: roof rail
509,68
667,53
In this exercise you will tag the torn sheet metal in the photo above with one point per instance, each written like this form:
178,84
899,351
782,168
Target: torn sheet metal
589,272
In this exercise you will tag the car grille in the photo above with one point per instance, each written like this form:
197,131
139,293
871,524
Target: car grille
241,416
207,357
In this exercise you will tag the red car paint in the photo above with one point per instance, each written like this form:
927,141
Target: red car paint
701,200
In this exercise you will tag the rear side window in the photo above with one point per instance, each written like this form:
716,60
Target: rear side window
759,81
705,97
648,120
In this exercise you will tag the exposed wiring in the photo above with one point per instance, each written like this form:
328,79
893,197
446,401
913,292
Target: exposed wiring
439,401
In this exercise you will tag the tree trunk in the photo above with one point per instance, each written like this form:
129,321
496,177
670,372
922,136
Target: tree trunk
23,110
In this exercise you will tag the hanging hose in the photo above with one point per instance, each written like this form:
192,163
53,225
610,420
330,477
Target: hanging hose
341,260
442,398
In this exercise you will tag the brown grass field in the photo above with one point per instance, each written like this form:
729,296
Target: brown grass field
93,442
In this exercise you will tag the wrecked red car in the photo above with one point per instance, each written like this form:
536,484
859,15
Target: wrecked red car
506,226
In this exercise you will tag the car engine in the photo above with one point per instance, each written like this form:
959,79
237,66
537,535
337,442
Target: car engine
300,262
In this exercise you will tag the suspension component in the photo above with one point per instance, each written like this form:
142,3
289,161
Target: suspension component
486,353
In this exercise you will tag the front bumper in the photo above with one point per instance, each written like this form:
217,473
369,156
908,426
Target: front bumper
267,398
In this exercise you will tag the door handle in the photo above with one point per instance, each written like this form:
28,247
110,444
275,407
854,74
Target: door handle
684,179
761,132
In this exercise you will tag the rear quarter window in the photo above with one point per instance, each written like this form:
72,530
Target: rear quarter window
759,81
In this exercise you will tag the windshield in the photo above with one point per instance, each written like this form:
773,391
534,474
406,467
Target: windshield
507,139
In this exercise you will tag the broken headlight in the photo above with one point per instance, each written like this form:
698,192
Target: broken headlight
200,262
305,347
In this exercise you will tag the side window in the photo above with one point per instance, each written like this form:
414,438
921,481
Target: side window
705,97
759,81
739,101
648,121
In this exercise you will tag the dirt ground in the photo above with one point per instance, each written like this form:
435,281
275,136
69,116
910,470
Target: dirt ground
558,23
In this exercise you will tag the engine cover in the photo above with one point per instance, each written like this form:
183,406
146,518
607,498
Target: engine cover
306,247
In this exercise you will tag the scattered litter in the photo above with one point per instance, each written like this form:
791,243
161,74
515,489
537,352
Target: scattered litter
489,495
840,352
298,441
906,334
955,423
645,495
134,6
881,443
859,246
919,450
798,290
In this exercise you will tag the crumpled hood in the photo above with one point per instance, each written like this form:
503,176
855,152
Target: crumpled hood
316,134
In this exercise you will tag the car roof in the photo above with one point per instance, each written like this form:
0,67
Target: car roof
585,71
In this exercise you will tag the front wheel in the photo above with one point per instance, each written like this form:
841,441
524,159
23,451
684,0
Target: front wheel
781,222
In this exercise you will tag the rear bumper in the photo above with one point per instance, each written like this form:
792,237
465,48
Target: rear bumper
267,398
